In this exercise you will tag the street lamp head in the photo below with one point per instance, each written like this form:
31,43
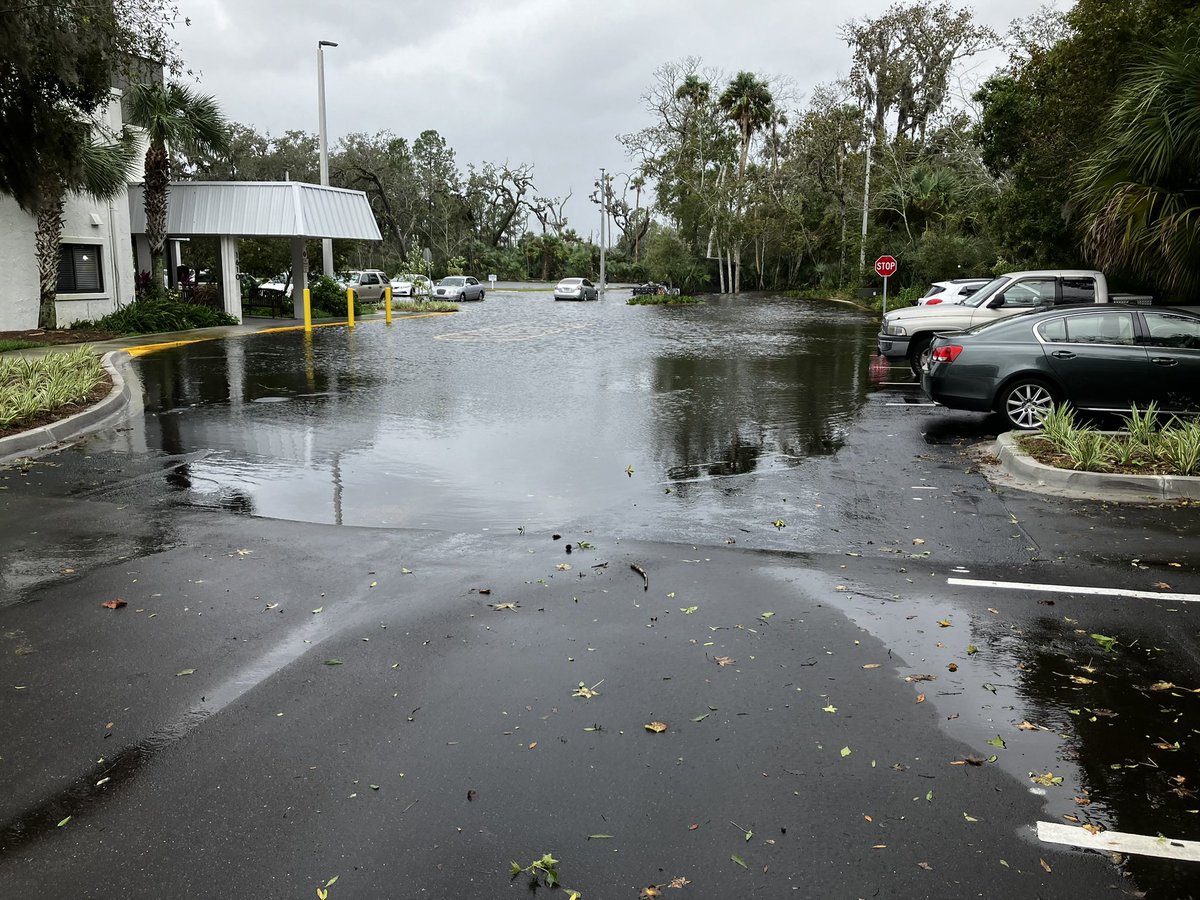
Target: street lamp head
326,43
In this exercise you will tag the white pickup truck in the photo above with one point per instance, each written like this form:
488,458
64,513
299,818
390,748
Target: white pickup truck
906,333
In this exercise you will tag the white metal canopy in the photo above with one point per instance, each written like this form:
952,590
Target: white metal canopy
261,209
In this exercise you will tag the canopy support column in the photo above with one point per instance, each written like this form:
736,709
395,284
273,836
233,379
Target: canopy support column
299,276
231,286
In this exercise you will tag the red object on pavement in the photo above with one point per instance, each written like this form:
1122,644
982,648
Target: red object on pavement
880,370
885,266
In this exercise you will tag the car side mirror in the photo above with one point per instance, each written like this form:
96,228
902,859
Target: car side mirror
996,302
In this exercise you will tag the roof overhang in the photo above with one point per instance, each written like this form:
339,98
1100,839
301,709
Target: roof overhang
261,209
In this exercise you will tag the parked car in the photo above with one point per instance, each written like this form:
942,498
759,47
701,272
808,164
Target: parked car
458,287
1098,358
408,285
369,285
653,287
277,284
576,289
907,332
956,290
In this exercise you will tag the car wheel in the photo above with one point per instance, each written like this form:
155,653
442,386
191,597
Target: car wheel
1024,402
462,298
481,296
918,356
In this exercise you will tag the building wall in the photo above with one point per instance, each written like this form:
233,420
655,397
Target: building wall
104,225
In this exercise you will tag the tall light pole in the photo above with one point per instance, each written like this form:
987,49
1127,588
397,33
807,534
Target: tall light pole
326,243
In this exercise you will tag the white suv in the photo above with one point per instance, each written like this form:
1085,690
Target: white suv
956,290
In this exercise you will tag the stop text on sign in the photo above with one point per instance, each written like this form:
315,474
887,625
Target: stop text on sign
885,266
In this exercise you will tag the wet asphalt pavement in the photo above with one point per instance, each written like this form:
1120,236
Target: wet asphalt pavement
318,534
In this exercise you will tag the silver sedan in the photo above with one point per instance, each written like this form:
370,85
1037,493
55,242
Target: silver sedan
576,289
458,287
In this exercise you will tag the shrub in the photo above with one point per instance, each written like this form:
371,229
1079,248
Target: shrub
151,315
661,300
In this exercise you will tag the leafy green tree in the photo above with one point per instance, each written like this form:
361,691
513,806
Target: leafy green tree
171,114
1139,191
59,63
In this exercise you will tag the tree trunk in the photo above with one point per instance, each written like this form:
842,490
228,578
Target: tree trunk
721,267
154,200
48,249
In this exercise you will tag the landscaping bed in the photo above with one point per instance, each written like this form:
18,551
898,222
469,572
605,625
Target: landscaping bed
43,337
1146,446
36,392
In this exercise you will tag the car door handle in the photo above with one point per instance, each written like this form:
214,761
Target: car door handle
1063,354
1164,361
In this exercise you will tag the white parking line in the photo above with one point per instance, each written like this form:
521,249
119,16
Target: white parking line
910,404
1119,841
1075,589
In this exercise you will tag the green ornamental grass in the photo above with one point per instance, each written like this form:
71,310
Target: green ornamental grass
33,387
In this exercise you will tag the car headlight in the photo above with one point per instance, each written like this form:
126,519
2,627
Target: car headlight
898,330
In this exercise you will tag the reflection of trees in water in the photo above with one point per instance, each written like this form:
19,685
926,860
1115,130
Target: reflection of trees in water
726,415
1112,737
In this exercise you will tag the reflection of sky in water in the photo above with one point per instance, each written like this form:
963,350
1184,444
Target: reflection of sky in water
518,412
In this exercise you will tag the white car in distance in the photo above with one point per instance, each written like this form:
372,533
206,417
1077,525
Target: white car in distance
408,285
956,290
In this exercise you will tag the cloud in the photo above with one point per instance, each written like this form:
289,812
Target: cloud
549,82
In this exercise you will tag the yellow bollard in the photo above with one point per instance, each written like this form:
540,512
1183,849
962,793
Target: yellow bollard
350,307
387,297
307,310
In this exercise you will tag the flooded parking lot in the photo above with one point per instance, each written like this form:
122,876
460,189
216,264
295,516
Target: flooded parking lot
517,411
354,543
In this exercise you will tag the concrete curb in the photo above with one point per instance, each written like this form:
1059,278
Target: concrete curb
1033,475
53,436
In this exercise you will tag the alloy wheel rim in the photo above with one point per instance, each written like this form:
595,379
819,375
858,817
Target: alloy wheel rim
1028,405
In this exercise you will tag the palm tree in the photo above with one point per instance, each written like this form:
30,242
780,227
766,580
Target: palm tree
747,101
96,168
1139,192
190,123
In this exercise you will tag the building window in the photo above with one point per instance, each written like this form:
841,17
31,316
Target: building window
79,270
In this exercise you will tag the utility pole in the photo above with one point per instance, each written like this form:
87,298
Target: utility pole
326,243
603,221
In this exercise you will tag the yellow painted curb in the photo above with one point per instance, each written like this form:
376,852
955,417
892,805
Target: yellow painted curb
143,349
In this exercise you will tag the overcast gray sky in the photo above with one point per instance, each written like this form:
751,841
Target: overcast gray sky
549,82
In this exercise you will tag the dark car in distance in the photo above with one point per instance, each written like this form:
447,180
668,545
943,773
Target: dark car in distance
1103,358
652,288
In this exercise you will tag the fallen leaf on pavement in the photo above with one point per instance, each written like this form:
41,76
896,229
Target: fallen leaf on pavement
926,866
185,672
499,606
113,604
920,698
532,745
944,623
952,667
914,678
649,892
563,567
872,665
1049,779
587,693
724,660
1092,829
678,882
656,727
1045,865
741,862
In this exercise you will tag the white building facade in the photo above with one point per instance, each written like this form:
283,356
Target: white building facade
96,268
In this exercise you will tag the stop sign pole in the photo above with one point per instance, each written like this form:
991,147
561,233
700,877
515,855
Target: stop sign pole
885,267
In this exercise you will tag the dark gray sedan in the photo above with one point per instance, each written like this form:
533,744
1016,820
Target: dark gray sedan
1105,358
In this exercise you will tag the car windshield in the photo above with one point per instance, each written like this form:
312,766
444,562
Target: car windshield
454,280
984,292
933,289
